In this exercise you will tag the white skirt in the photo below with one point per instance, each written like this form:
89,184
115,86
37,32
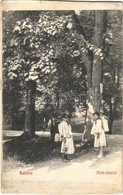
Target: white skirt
101,141
68,146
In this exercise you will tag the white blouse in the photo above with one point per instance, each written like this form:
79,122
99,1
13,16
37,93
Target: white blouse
97,127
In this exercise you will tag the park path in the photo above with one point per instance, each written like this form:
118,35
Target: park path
9,134
80,175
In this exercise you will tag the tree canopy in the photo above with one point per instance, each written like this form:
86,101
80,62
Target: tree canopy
51,47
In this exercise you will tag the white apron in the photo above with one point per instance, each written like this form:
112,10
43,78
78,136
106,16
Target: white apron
67,145
98,128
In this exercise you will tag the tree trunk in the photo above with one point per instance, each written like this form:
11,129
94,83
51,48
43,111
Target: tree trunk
57,99
117,76
110,116
113,105
97,70
93,63
13,121
96,73
112,111
30,109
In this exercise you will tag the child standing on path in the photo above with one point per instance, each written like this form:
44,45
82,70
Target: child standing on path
67,144
99,134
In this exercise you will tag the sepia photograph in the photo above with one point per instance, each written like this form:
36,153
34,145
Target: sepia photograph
62,101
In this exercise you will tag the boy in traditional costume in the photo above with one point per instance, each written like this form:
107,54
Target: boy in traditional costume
67,144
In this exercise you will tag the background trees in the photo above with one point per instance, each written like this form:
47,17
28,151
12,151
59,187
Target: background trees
52,58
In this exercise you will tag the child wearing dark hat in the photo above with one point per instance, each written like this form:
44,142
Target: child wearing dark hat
99,134
67,144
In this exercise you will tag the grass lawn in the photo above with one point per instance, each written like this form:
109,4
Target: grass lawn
36,150
27,151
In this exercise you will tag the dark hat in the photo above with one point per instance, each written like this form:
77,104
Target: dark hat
96,113
102,113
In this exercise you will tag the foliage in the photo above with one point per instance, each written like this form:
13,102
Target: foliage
37,51
47,46
113,63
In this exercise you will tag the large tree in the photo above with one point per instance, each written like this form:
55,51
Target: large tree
37,51
92,54
57,51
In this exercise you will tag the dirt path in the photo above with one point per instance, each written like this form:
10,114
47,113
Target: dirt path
80,175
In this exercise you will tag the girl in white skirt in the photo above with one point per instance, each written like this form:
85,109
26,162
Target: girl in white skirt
99,134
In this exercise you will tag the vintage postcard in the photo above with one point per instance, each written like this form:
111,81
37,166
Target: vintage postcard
61,97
